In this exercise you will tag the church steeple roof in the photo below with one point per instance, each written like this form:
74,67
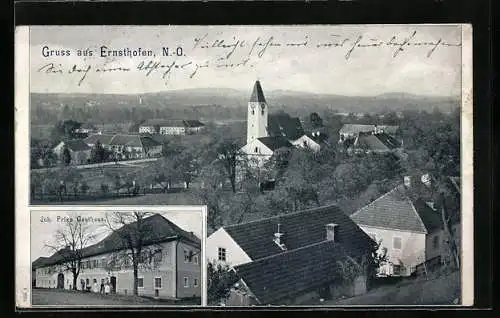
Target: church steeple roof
257,94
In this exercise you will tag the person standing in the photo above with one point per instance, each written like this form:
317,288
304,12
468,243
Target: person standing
101,291
95,287
107,288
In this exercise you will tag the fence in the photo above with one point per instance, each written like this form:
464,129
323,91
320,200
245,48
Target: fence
97,195
99,165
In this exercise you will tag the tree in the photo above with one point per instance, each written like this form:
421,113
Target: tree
69,241
133,233
229,154
211,193
220,280
316,121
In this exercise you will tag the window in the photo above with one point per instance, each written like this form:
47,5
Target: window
140,282
187,257
262,112
195,259
96,263
158,256
256,149
253,112
396,243
186,282
435,241
222,254
195,284
126,262
158,282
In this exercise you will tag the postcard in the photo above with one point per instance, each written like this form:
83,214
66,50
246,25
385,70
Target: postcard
334,161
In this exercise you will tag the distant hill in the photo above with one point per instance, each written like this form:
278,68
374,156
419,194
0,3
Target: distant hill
295,103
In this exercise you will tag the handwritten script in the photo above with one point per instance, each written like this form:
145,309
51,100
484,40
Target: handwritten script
234,53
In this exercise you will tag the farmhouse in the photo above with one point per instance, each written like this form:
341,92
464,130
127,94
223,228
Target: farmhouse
171,127
79,151
127,146
408,227
352,131
374,143
169,264
287,258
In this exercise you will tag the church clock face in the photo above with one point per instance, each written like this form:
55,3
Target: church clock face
262,106
252,106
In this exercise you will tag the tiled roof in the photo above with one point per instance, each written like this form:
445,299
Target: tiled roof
156,228
317,137
284,125
193,123
395,210
148,142
274,143
376,142
77,145
287,274
257,94
356,129
299,229
39,262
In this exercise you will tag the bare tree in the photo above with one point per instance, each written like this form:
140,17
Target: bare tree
135,236
68,244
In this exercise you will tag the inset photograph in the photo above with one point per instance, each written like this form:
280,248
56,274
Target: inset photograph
116,258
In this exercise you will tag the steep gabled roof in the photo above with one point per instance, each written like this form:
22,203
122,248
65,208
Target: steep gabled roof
376,142
102,138
257,94
156,229
77,145
356,128
284,125
317,136
274,143
395,210
193,123
299,229
287,274
39,262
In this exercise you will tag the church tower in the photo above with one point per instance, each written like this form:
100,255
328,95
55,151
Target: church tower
257,114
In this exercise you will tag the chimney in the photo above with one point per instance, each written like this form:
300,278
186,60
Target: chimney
331,231
407,181
277,239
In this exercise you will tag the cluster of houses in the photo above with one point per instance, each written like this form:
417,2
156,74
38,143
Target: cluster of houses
121,147
170,266
290,259
171,127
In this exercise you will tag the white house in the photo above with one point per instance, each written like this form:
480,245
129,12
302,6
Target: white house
79,151
408,227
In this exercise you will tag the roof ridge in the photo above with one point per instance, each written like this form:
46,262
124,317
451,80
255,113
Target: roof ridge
380,197
287,252
282,215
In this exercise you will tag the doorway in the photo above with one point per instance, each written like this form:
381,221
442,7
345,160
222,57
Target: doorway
113,284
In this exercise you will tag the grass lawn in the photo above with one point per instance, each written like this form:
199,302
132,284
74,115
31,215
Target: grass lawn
78,298
440,290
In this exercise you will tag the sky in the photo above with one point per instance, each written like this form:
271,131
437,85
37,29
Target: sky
42,233
323,64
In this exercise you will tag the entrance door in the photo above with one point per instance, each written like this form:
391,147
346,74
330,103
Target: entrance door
113,284
60,281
